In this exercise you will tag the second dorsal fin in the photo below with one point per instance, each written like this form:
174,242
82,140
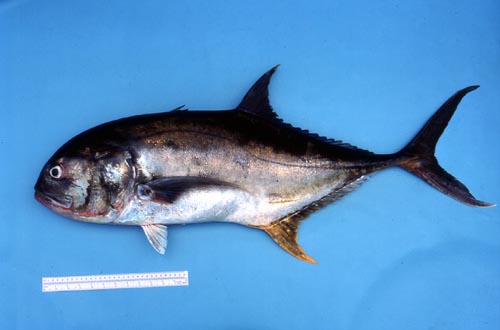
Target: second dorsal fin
256,100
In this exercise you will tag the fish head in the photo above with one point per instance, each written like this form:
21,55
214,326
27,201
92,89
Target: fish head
85,184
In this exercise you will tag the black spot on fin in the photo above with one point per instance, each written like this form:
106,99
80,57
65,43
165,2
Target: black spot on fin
256,100
169,189
284,233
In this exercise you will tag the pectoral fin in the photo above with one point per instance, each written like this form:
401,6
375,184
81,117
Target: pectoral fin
284,232
157,236
169,189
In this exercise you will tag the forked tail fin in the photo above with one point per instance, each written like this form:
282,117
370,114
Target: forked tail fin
419,156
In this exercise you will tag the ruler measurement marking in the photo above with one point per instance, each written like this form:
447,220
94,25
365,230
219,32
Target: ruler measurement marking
114,281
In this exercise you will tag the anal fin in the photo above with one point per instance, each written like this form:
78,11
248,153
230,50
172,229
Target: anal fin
157,236
284,233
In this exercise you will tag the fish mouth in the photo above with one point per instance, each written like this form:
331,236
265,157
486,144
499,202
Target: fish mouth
52,201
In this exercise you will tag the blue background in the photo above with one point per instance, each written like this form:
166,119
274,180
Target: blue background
394,254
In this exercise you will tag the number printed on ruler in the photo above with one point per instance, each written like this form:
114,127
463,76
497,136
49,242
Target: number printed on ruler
114,281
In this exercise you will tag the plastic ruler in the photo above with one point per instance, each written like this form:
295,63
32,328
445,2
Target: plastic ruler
114,281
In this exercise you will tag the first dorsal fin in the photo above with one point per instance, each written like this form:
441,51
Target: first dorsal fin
179,108
256,100
284,233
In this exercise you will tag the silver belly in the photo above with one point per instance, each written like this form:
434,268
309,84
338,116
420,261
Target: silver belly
214,204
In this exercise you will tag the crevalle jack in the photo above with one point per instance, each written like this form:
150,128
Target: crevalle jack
244,166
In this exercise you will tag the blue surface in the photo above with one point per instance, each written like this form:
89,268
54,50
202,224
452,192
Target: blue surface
395,254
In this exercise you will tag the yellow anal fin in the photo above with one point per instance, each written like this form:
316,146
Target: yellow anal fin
284,232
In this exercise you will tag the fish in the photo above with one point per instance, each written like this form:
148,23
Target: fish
245,166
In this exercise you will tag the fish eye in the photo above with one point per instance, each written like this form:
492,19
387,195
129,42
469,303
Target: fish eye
56,171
